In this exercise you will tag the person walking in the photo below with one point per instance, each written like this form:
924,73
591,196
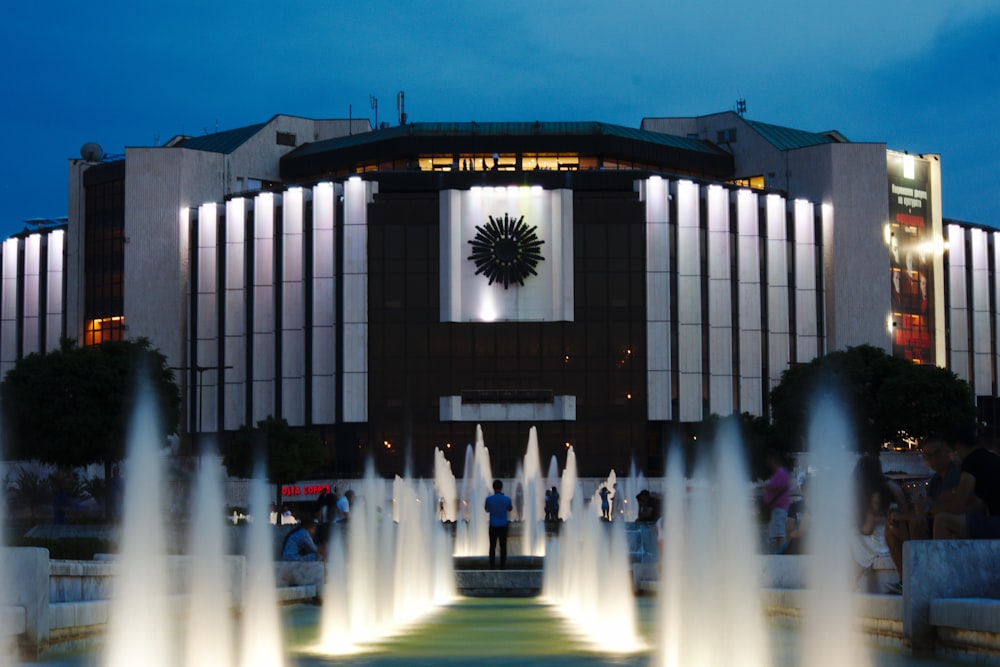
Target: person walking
498,505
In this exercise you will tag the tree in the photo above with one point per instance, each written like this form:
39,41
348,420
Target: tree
71,407
889,400
291,454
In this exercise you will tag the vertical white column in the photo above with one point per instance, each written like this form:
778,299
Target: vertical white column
720,302
357,196
292,309
982,375
806,289
263,307
31,287
236,295
324,328
54,263
689,315
995,272
958,314
8,307
655,190
779,336
749,296
207,341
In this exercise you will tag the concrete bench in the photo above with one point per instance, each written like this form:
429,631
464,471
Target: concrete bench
12,620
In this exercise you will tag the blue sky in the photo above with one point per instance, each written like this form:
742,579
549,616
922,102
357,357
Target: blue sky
922,75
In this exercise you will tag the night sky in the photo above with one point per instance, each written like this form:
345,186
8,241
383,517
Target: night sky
922,76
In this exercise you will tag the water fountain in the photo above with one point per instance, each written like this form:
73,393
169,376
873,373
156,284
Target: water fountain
139,620
399,570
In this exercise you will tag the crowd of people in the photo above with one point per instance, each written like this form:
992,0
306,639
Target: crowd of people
959,500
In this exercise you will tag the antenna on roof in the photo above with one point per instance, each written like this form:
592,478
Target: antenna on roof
373,101
399,106
741,106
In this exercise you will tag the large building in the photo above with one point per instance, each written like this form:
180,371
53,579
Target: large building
394,288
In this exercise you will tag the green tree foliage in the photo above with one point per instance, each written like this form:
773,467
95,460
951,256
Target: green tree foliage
71,407
888,399
291,454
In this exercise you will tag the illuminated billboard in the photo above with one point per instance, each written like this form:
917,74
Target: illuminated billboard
911,257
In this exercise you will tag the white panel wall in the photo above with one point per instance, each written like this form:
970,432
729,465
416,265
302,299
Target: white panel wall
982,371
324,332
777,289
996,286
236,314
208,319
357,196
8,307
958,317
292,309
689,315
751,334
806,332
263,306
655,191
31,314
720,302
54,301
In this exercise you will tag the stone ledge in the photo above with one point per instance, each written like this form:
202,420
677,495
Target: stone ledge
499,583
978,614
289,594
75,614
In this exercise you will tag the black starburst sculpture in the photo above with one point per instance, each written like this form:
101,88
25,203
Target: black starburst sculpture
506,250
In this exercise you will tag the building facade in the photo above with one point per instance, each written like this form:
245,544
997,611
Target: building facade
392,289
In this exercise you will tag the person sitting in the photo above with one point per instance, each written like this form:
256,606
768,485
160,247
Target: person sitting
648,507
299,544
916,522
977,496
876,493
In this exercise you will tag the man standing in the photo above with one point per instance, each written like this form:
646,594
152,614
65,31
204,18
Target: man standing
498,505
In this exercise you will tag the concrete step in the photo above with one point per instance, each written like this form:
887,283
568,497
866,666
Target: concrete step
499,583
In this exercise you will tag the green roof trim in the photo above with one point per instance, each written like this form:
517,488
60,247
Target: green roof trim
222,142
786,138
525,129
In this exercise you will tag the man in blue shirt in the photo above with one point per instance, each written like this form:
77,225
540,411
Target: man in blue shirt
498,505
299,545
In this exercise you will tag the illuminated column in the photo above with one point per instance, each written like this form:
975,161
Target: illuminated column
8,307
263,307
292,313
748,293
31,286
689,315
720,302
806,339
54,290
982,363
958,313
655,192
236,296
324,329
778,335
357,195
208,319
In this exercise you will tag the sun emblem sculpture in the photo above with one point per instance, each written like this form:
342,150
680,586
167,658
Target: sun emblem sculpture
506,250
